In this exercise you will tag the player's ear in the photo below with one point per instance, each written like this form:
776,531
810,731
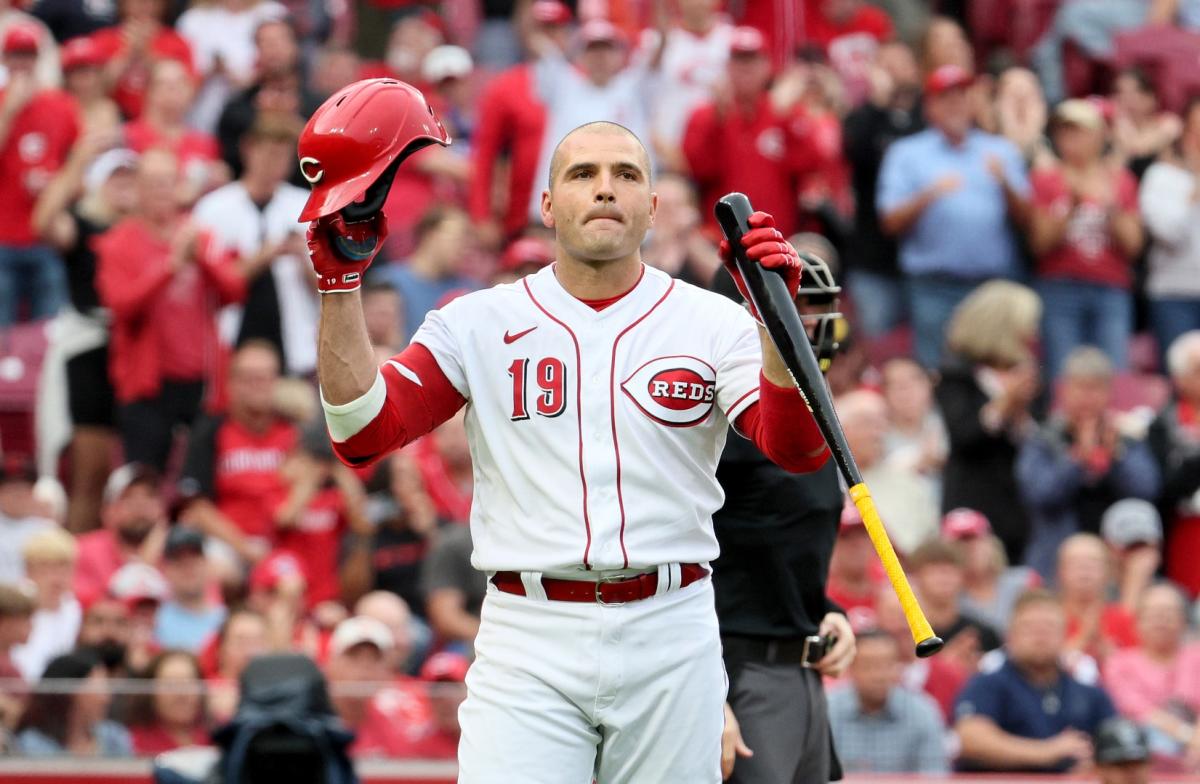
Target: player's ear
547,215
653,206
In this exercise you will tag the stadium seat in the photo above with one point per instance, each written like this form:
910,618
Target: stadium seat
22,348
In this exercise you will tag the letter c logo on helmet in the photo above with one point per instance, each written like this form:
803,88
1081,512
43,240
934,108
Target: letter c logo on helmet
318,172
351,147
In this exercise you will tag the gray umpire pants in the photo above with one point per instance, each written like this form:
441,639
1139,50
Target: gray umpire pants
785,722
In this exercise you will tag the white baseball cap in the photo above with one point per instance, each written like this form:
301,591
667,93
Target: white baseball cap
446,62
106,165
358,630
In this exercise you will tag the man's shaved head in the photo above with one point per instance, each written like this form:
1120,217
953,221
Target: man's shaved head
600,127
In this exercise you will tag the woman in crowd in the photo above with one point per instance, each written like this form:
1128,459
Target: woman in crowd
1157,684
985,394
1170,202
1085,233
173,714
58,721
1141,131
242,637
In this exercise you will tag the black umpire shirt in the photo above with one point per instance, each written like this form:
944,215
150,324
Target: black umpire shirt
776,532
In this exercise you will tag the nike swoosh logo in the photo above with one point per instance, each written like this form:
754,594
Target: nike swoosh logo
514,338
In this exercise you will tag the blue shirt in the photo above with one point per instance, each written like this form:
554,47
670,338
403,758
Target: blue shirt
178,627
420,295
1037,712
905,737
112,740
966,233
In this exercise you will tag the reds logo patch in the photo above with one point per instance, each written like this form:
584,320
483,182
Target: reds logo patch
675,391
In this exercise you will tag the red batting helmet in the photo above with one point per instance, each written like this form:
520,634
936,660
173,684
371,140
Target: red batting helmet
351,147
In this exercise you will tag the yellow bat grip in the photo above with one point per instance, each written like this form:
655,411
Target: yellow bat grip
917,622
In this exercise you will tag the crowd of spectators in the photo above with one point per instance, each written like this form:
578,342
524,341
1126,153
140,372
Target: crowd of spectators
1019,375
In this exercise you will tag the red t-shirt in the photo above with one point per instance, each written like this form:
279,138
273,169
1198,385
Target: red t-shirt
150,740
1087,252
867,20
41,136
195,150
167,45
398,718
98,560
759,153
1117,626
238,470
316,541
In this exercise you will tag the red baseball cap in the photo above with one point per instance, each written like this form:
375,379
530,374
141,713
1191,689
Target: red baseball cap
527,250
601,31
272,569
948,77
445,666
550,12
21,38
963,523
747,40
80,52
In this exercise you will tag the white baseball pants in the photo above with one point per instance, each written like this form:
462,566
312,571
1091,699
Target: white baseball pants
564,692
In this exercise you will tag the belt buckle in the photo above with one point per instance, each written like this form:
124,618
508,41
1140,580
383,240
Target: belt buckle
611,578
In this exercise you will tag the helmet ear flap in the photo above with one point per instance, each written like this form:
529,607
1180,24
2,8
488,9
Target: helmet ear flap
376,194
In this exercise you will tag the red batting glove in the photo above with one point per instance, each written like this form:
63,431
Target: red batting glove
341,252
765,245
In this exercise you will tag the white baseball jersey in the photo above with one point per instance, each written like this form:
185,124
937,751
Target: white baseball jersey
595,436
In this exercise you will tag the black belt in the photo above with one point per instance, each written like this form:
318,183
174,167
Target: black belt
804,651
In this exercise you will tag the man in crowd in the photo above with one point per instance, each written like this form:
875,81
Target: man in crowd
189,617
1030,715
1079,463
231,482
256,216
1132,529
908,496
950,175
133,520
751,136
1095,625
38,127
880,727
16,623
431,274
936,569
853,577
163,278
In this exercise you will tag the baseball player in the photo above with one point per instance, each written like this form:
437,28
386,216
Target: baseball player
598,394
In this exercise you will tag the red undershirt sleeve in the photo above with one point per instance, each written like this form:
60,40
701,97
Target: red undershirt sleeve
783,429
412,397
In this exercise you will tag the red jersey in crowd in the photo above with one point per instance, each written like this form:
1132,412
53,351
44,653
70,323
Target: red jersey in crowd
512,120
1118,629
164,321
38,143
397,718
866,21
238,470
131,87
1088,252
316,542
194,150
760,153
451,501
152,739
99,557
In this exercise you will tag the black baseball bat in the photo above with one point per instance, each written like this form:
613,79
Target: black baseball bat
769,294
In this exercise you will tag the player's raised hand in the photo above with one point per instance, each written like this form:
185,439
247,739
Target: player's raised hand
341,252
765,245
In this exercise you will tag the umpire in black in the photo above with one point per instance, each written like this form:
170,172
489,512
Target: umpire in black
779,631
